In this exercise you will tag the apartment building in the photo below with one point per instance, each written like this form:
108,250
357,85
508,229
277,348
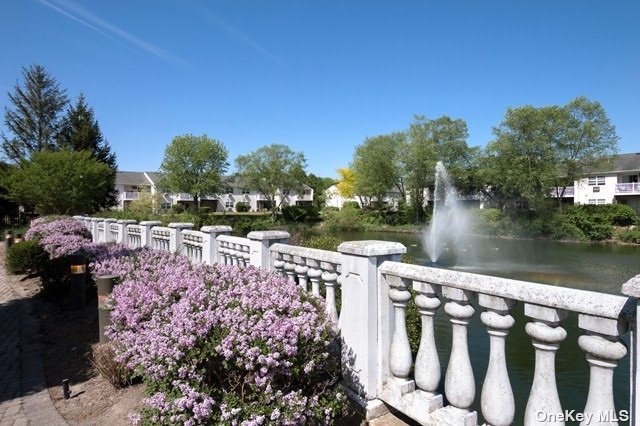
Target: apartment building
130,185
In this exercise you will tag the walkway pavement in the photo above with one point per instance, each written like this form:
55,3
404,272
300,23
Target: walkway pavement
24,399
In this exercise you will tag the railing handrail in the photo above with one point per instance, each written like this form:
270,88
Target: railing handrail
234,240
570,299
308,253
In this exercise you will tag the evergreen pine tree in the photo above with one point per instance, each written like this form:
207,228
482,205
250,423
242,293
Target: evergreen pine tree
80,131
34,119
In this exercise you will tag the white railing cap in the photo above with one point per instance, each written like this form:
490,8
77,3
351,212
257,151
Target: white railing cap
191,232
180,225
570,299
97,219
216,228
268,235
371,248
632,287
127,221
233,239
308,253
150,222
110,220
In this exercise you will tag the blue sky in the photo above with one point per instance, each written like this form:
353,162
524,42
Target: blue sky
321,76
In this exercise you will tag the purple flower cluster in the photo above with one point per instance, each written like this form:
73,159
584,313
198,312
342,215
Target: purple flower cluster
55,225
215,344
207,334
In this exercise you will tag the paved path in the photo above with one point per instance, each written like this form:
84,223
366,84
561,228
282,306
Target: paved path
24,399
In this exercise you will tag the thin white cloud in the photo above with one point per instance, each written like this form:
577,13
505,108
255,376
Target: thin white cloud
236,33
85,17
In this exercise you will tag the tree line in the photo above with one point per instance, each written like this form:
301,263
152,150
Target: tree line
535,152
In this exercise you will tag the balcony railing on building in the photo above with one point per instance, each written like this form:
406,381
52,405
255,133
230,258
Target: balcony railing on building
630,188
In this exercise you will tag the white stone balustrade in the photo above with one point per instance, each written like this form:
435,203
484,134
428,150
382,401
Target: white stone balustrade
106,235
168,238
234,250
603,317
120,235
310,265
97,228
376,359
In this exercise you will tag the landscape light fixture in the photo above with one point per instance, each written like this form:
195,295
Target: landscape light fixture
78,271
66,393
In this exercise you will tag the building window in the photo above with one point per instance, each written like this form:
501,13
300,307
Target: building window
246,191
165,206
591,201
229,190
286,191
596,180
596,189
601,201
228,204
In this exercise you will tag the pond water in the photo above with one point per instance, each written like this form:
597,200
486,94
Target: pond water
595,267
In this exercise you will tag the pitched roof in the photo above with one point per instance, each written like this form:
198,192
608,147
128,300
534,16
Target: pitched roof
627,162
131,178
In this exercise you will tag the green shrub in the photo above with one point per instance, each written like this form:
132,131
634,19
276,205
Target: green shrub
619,214
26,257
562,228
630,236
322,242
489,221
242,207
300,214
351,204
178,208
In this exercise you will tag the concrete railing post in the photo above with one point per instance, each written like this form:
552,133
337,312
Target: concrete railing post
365,318
261,242
210,254
176,234
107,230
122,230
94,228
145,231
632,289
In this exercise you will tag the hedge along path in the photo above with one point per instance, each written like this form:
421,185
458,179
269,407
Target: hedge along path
24,398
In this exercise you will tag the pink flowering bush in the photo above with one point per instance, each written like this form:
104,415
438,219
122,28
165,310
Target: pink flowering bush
214,344
224,345
56,225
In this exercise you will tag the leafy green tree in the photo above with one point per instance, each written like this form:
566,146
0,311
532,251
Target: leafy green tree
429,141
272,169
587,141
521,158
60,182
34,118
80,131
195,165
319,185
377,166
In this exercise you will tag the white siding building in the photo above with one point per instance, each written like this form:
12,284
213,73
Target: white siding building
131,184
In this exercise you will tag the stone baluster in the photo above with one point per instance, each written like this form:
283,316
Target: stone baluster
497,401
427,369
246,255
124,235
400,359
289,267
278,263
301,272
233,251
210,244
314,273
459,383
604,349
145,231
546,334
330,279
